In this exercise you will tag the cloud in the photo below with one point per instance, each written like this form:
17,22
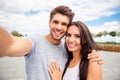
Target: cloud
24,23
33,15
108,26
87,10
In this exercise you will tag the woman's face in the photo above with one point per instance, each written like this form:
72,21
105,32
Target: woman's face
73,39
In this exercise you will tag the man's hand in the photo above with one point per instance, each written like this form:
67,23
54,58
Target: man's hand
96,57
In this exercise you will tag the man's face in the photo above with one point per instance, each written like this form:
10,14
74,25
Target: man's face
58,26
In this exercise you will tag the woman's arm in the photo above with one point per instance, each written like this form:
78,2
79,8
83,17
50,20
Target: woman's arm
55,71
94,71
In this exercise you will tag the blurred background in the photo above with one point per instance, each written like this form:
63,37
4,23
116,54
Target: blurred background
23,17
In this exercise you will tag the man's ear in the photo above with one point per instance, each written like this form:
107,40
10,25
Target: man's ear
49,23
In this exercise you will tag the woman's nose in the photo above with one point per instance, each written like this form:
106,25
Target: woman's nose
71,38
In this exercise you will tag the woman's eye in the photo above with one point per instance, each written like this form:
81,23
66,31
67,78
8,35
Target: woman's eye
68,35
77,36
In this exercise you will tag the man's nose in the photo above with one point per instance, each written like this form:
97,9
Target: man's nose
59,26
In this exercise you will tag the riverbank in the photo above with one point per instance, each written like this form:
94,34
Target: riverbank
109,47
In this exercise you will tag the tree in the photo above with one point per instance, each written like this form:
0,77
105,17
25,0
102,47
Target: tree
15,33
93,35
99,34
112,33
104,33
118,33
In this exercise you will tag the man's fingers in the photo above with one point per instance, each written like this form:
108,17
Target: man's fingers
96,57
101,62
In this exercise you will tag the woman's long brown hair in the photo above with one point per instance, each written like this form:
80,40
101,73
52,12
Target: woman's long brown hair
87,45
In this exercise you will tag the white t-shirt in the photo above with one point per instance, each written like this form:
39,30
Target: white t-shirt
42,53
72,73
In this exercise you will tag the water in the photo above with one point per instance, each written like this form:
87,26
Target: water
111,66
13,68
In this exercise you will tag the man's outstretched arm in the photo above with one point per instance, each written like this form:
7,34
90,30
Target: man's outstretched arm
13,46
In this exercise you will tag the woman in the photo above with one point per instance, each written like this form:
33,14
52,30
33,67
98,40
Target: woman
79,43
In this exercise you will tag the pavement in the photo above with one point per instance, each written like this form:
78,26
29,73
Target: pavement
13,68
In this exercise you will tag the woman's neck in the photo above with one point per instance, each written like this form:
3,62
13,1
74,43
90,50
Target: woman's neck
76,59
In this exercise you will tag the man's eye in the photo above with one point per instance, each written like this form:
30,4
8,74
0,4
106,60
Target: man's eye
65,24
56,22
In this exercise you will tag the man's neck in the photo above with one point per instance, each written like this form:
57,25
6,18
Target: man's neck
51,40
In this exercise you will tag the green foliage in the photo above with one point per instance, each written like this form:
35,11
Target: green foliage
99,34
15,33
105,33
118,33
112,33
94,35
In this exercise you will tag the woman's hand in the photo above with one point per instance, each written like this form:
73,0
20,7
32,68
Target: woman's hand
55,71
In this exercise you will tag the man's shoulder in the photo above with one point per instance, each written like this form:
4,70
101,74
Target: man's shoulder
35,35
35,38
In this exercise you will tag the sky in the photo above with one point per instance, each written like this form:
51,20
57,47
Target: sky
32,16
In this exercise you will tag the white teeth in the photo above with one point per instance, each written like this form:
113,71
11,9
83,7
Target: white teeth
71,45
57,32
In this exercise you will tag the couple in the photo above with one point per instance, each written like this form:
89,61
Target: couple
79,43
39,50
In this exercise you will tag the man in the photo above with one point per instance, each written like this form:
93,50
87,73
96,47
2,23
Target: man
40,50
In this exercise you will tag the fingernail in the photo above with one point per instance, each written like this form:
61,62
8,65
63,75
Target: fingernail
88,57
